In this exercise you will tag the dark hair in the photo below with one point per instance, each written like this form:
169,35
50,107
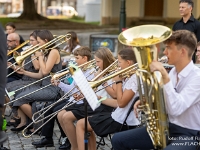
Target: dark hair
183,38
73,41
46,35
106,55
11,24
83,51
127,54
198,44
34,33
190,2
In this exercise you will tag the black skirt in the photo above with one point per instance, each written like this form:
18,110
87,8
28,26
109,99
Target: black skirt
80,112
103,124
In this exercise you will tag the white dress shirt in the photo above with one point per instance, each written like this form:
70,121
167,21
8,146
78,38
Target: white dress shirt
182,98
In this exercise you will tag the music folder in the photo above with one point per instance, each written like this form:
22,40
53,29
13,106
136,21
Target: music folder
84,86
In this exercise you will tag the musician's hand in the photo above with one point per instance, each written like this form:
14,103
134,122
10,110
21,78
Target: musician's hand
117,78
38,53
78,96
135,107
105,84
19,71
9,64
157,66
55,82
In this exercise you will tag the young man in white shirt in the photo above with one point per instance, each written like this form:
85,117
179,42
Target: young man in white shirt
182,99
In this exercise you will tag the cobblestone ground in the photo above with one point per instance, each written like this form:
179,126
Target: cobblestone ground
16,141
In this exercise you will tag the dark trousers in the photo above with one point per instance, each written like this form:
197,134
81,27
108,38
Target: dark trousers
47,129
180,139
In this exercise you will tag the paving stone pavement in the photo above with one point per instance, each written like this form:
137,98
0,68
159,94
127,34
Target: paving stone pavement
16,141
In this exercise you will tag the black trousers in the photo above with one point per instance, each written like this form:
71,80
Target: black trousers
47,129
179,139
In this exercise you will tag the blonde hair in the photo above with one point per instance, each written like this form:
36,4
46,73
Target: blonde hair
106,55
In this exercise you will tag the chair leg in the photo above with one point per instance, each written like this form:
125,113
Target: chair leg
101,142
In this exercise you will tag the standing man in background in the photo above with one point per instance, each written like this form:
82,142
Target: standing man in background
3,66
188,22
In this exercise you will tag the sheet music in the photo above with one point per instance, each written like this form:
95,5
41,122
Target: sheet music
85,88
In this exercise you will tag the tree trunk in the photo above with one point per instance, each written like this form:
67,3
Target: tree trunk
29,11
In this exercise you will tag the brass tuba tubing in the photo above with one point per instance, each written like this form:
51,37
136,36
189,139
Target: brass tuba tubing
143,40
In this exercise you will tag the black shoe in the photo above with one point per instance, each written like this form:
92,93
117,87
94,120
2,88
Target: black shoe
44,143
18,129
30,132
15,124
3,137
66,145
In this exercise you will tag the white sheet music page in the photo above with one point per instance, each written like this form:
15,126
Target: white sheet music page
85,88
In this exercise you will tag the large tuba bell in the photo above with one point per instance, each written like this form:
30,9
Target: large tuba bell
143,39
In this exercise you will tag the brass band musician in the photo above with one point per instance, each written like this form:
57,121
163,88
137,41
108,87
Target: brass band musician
182,93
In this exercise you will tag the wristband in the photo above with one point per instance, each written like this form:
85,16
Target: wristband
118,82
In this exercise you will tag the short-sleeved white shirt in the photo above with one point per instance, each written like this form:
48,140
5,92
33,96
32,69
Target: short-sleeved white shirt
119,114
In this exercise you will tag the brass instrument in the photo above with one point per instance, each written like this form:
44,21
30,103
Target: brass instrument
29,50
85,66
18,47
125,72
20,59
143,39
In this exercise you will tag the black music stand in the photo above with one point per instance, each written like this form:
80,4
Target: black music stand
86,132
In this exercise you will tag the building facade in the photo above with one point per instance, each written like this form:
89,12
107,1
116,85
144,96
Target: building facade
166,11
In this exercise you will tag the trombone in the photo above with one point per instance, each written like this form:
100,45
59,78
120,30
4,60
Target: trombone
55,76
18,47
127,72
28,50
62,98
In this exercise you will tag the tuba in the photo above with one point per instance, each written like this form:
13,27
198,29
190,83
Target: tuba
143,40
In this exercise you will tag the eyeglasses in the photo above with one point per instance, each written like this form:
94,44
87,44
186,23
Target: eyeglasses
10,41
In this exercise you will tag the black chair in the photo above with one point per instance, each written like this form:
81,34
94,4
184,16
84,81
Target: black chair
102,141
